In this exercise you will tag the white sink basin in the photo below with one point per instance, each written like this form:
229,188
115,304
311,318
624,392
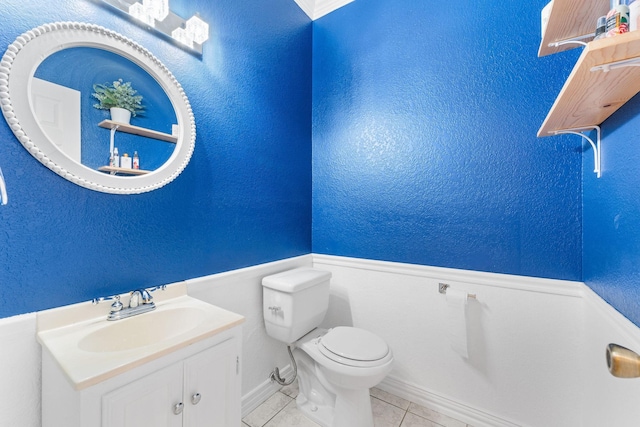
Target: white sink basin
90,349
142,330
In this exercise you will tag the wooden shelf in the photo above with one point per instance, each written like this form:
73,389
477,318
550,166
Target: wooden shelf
136,130
589,97
570,19
122,171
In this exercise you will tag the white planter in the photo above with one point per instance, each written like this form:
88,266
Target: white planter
120,115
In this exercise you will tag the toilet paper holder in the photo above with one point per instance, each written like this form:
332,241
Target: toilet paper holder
442,288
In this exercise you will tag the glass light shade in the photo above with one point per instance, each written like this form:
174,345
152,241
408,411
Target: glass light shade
181,35
198,29
158,9
141,13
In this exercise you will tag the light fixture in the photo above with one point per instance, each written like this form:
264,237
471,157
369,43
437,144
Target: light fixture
156,15
159,9
138,11
194,31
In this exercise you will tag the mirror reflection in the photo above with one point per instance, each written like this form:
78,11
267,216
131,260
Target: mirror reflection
61,99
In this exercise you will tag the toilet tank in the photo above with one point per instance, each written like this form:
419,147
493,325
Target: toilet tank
294,302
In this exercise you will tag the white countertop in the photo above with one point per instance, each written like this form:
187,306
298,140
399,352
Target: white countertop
61,330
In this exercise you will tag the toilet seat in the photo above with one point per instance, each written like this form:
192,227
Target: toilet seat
353,347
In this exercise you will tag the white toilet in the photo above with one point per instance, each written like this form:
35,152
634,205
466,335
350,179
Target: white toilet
336,367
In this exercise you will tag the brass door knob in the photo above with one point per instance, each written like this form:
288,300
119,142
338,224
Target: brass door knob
622,362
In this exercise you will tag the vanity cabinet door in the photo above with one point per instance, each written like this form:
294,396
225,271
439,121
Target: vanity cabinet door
205,385
211,387
148,401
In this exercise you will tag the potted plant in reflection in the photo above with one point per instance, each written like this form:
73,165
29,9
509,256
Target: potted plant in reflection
120,98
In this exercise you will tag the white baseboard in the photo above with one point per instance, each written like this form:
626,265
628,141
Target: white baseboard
266,389
399,388
443,405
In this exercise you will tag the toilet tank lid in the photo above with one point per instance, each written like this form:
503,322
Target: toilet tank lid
295,280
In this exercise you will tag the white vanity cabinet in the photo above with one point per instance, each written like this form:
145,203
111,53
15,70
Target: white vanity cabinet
198,392
147,401
195,386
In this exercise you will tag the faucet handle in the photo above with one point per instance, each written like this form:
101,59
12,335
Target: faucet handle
145,293
145,296
98,300
117,305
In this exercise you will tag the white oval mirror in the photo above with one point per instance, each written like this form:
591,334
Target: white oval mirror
47,79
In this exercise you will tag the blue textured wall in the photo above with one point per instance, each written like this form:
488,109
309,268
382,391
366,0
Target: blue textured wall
612,214
424,125
424,137
244,199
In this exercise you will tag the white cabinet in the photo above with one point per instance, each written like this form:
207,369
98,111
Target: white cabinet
195,386
195,393
145,402
214,378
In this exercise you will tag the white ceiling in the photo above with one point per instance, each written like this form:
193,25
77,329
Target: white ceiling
318,8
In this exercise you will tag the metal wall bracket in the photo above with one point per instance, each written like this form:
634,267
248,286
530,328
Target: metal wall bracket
3,190
605,68
573,40
595,145
442,288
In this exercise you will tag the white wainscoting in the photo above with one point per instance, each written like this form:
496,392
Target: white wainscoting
20,360
241,292
607,401
536,346
238,290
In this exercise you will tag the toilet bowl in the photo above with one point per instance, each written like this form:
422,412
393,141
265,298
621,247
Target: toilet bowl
350,357
336,367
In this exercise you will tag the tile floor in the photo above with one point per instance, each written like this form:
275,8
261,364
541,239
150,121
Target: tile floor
388,411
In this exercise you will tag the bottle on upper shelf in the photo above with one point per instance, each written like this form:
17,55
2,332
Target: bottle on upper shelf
618,18
601,28
125,161
114,161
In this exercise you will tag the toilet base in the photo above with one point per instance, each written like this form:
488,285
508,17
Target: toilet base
315,399
353,409
318,412
326,404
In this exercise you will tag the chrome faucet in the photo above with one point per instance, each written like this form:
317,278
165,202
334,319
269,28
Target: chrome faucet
140,302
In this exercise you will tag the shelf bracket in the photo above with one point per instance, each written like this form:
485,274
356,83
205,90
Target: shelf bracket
595,145
3,190
573,40
112,138
605,68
